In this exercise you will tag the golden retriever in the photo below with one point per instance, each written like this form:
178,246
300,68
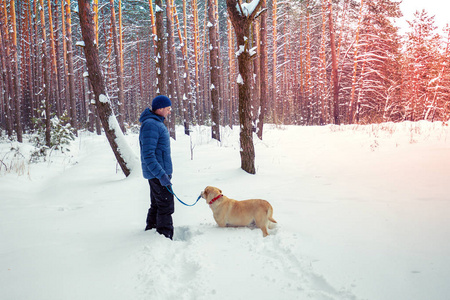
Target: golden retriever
230,212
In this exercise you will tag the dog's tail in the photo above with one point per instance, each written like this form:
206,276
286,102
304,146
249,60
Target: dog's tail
269,215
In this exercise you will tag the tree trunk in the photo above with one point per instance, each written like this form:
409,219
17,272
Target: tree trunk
172,68
351,113
214,67
70,70
187,96
160,53
15,58
231,75
59,95
120,75
119,69
26,62
334,66
308,71
122,152
323,88
263,70
241,23
6,65
54,88
196,55
47,91
274,61
65,98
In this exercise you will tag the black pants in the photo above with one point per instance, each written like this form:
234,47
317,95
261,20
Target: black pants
161,209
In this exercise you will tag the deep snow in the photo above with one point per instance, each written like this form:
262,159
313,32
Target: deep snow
362,211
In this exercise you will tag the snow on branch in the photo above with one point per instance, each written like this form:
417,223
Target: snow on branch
248,8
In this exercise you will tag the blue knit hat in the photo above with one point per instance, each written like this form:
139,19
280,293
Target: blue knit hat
160,101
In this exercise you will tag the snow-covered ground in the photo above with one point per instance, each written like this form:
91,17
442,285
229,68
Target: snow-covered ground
362,211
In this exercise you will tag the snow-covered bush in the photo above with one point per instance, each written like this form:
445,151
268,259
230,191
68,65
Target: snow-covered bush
61,134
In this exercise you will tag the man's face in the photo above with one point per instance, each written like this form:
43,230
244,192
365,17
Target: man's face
164,112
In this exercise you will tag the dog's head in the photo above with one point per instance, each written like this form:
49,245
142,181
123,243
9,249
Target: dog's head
210,193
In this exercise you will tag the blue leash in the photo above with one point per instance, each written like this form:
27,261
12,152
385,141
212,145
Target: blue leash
169,188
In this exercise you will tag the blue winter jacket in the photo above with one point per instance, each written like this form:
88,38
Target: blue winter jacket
154,141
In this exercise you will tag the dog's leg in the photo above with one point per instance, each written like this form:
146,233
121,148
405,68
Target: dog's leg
262,224
264,230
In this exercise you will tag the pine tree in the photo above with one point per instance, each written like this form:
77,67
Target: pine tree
422,48
241,19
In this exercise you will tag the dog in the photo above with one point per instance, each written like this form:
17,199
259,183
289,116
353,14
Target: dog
230,212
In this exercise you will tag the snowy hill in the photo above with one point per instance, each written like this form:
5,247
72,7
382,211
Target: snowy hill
362,213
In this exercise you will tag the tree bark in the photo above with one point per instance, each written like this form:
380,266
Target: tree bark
70,69
334,66
214,67
196,64
263,70
173,90
119,67
15,57
6,65
47,91
274,61
160,53
351,113
187,96
109,122
241,23
54,85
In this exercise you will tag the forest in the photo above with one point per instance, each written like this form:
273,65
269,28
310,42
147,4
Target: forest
310,63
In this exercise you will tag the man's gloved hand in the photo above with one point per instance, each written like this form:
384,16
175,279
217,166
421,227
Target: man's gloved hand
165,180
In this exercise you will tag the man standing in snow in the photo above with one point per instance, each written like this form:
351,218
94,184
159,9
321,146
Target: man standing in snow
154,141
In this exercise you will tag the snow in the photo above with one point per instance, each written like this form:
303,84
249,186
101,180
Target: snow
240,80
129,156
362,213
80,44
248,8
104,99
240,51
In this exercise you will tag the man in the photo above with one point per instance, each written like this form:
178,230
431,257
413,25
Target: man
154,141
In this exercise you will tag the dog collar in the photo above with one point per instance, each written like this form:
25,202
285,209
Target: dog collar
215,199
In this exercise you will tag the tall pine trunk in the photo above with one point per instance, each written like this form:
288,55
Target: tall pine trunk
334,66
274,61
119,68
54,87
15,57
47,91
187,96
214,68
263,70
241,23
6,65
195,29
160,52
173,90
70,70
121,149
351,113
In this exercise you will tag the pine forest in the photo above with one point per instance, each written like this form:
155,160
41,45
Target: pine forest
307,62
